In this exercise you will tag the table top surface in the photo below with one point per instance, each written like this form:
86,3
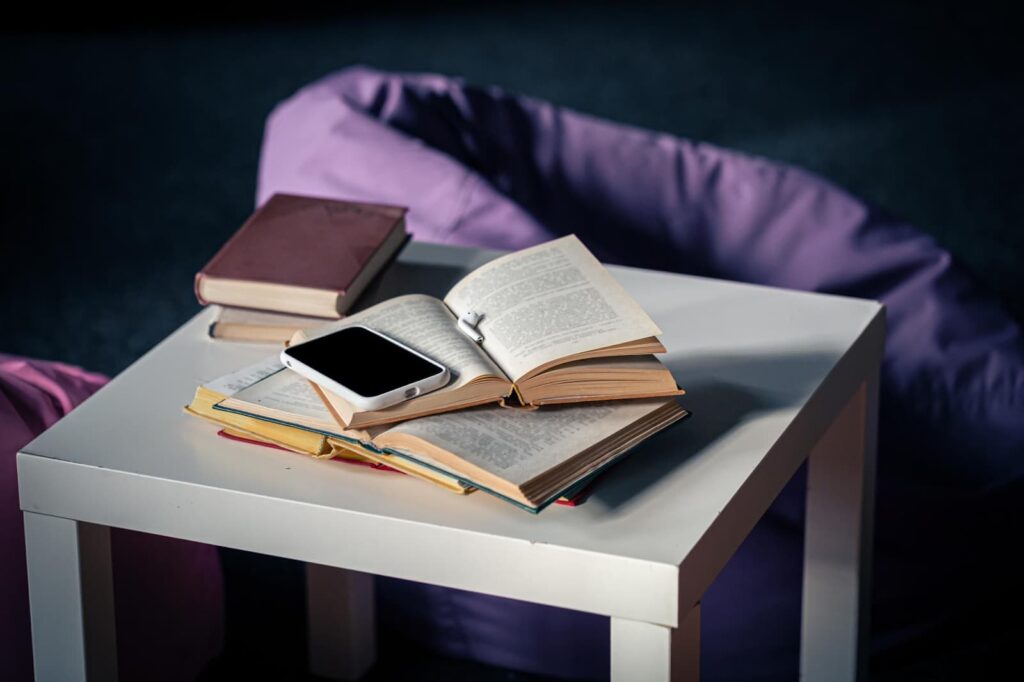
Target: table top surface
750,358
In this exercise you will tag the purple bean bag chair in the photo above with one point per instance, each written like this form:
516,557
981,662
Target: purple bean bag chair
168,593
482,167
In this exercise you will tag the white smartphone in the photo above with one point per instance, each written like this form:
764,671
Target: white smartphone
365,367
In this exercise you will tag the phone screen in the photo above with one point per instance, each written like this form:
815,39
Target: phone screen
363,362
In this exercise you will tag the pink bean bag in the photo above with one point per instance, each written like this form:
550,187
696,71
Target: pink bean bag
168,593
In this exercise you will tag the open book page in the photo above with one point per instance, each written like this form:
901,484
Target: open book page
213,393
517,445
284,394
547,303
229,384
425,324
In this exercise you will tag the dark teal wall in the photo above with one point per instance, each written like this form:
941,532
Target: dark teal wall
130,149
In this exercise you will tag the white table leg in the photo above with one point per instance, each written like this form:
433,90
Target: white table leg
837,544
342,622
642,651
71,597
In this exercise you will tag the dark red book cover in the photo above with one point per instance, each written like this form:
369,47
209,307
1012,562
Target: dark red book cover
304,241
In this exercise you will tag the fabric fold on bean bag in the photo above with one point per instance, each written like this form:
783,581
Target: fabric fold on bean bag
482,167
168,594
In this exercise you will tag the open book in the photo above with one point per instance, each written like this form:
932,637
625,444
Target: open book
302,423
525,456
556,327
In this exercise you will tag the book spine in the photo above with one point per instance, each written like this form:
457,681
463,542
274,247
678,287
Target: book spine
220,254
197,286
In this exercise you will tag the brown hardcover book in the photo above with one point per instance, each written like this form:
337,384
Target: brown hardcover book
303,256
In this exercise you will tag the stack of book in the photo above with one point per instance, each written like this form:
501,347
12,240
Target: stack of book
564,384
296,262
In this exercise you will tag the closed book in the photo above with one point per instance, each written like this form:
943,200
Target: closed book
258,326
303,256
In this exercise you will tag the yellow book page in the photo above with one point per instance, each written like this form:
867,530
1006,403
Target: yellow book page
408,467
331,453
292,438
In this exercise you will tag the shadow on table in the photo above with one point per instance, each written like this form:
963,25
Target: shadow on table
411,278
721,393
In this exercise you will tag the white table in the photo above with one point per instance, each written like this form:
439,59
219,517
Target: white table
772,377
